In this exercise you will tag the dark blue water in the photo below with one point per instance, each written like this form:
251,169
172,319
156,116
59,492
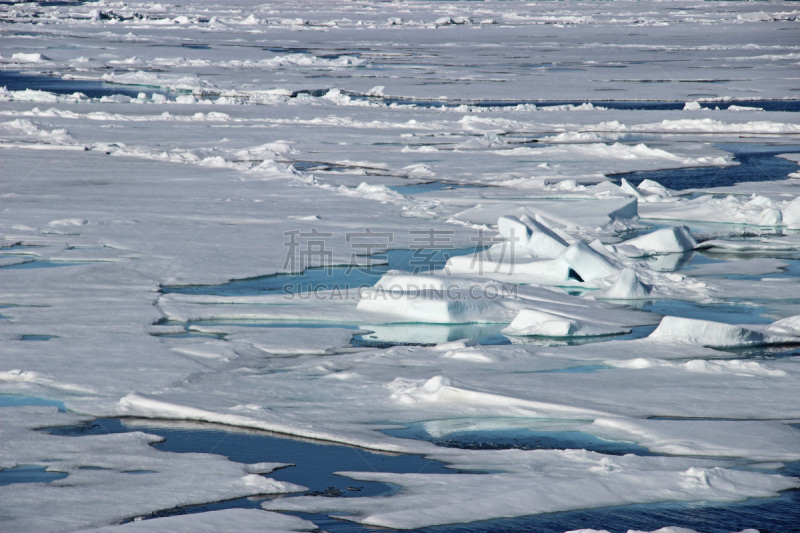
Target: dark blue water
340,278
757,163
519,438
767,515
18,81
316,461
627,105
42,263
33,337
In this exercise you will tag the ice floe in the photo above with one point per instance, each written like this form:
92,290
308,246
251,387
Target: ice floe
715,334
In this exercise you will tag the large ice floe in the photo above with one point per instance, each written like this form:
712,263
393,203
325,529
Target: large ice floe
533,266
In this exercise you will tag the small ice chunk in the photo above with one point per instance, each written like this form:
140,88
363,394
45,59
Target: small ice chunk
513,229
380,193
533,322
552,270
543,241
29,58
714,334
627,187
654,188
420,170
433,300
647,191
664,241
735,107
627,211
787,326
68,222
587,262
692,106
791,213
628,287
770,217
454,345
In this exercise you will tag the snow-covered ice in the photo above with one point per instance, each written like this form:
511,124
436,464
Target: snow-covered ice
273,144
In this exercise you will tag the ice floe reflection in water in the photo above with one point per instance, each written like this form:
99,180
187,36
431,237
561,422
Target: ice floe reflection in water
385,335
501,434
373,335
331,277
343,278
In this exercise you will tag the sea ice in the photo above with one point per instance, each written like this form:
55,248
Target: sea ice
663,241
225,519
543,324
111,477
250,139
715,334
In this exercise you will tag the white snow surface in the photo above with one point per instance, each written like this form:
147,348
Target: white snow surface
246,139
226,519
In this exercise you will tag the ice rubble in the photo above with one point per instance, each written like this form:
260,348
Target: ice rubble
755,210
628,287
444,299
536,251
535,237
